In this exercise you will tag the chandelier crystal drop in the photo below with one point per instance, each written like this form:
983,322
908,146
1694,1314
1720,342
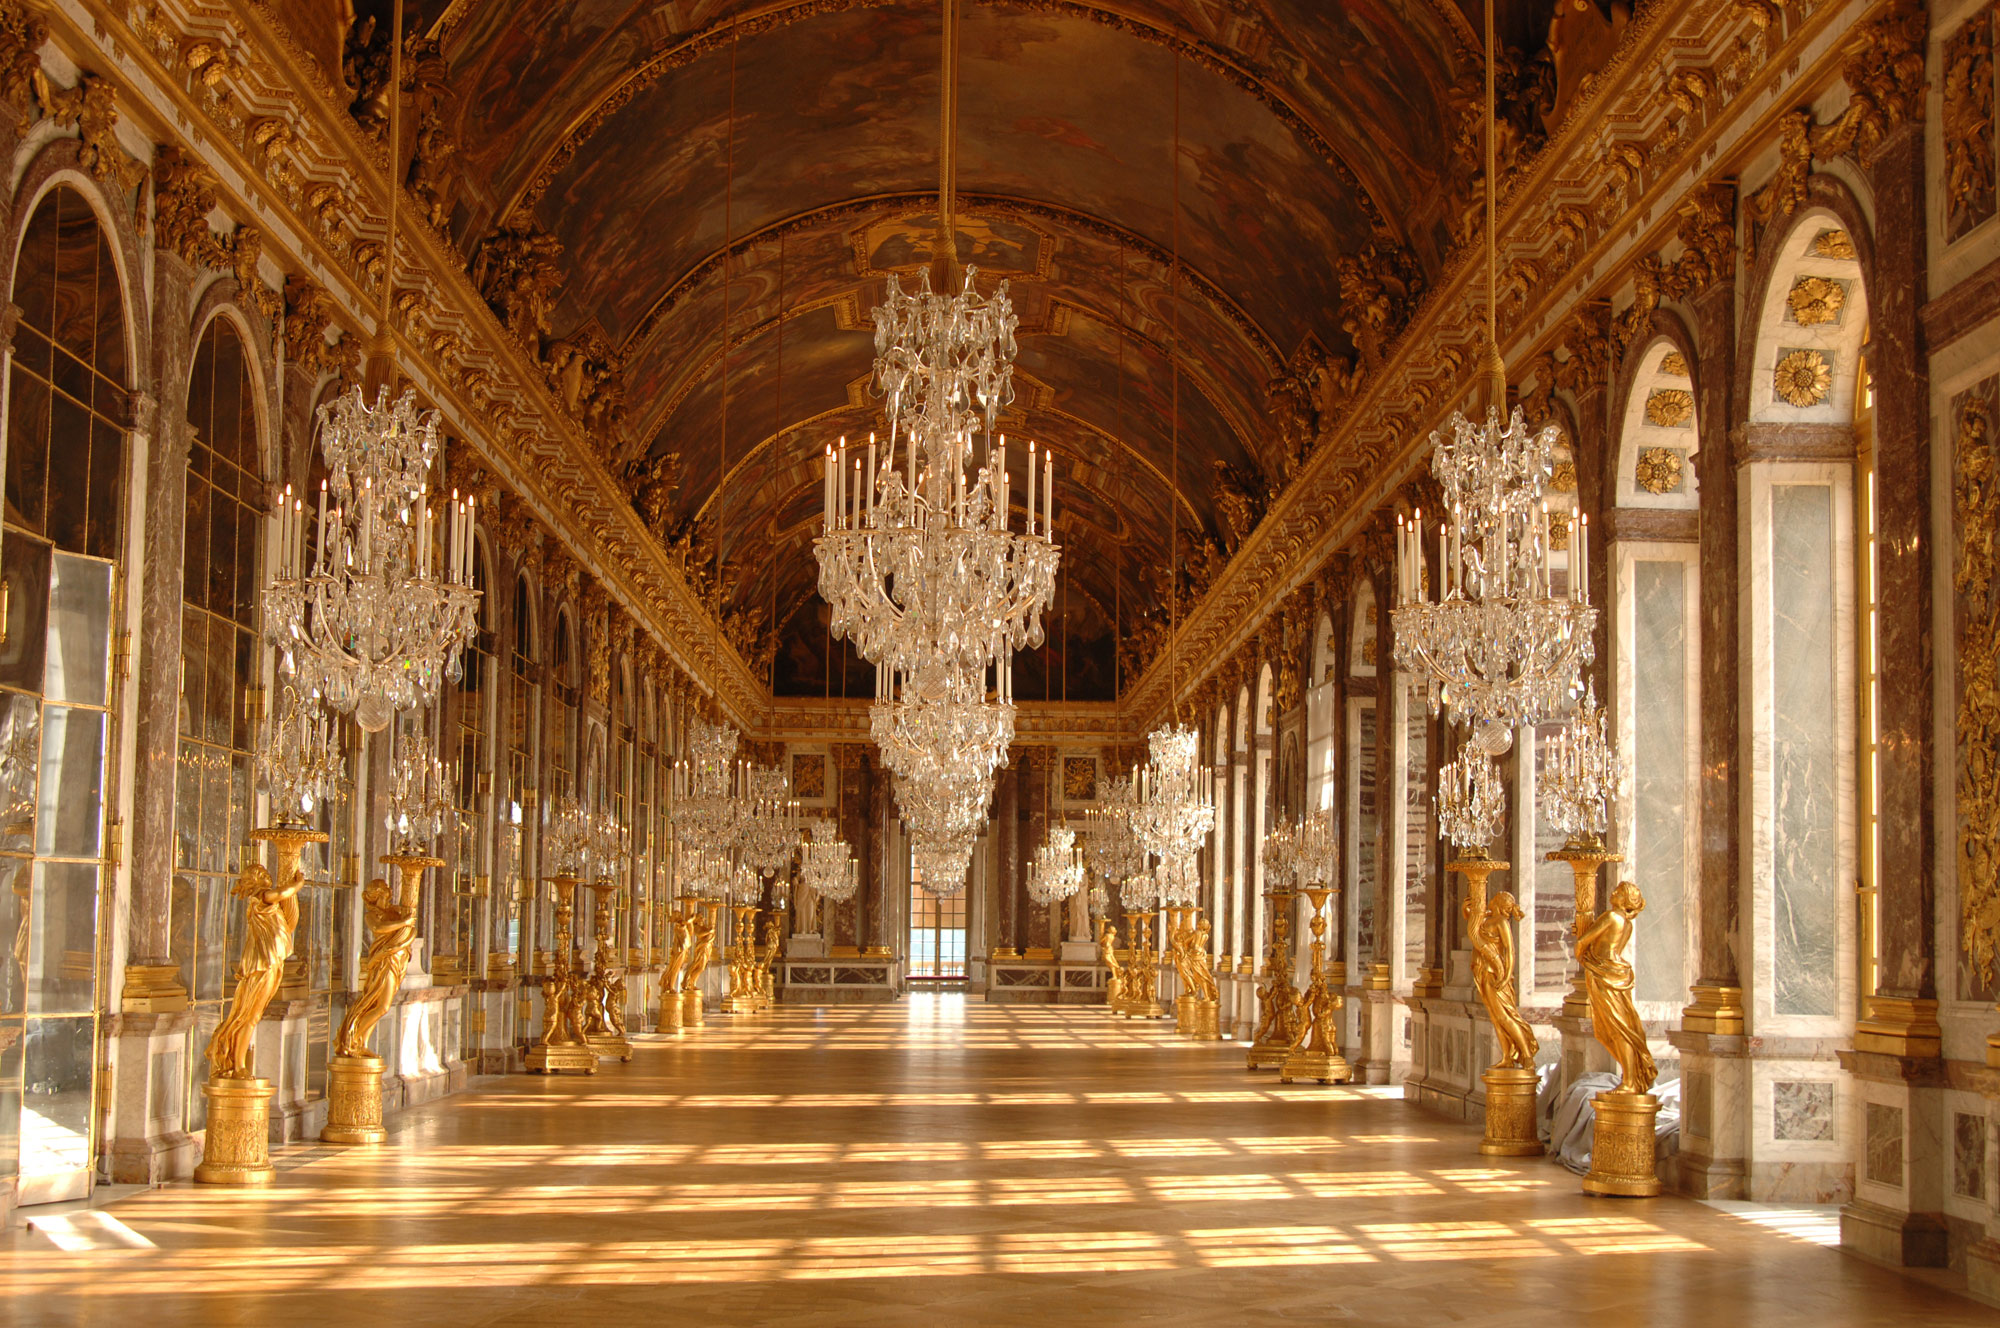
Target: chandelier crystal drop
1580,774
1470,801
377,624
298,758
1503,648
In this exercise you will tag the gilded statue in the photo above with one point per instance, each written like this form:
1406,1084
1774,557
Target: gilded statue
677,957
1604,951
1204,972
392,926
1493,977
270,914
1107,955
1278,999
703,950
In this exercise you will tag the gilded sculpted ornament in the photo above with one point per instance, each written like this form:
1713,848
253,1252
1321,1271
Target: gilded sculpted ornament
1658,470
1114,971
1605,952
1976,579
270,914
1493,978
1815,300
1669,407
1674,364
392,926
1968,125
1563,479
1802,378
91,107
1834,244
23,33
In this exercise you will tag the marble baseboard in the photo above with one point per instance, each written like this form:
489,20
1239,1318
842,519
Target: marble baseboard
1902,1240
843,995
1801,1182
1699,1176
1982,1270
153,1160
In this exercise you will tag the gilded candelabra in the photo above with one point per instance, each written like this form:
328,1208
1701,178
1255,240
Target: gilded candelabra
702,920
238,1149
1511,1081
1196,1006
1622,1149
1585,854
1315,1049
742,995
1277,999
604,991
1115,984
1142,989
674,975
767,984
354,1073
565,1040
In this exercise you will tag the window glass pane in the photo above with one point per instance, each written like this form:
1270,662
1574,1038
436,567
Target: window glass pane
16,883
20,770
25,564
62,937
71,819
78,666
27,449
55,1103
69,471
11,1053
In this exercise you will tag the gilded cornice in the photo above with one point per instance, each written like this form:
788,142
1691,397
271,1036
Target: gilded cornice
235,88
1591,199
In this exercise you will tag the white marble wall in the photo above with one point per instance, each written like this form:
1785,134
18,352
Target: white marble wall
1656,708
1799,722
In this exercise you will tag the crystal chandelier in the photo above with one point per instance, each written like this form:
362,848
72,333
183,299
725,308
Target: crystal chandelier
1317,860
1174,808
940,867
829,868
1114,851
420,795
1056,871
376,625
298,761
566,842
1470,800
1580,775
706,875
940,724
1281,855
767,824
705,813
1179,882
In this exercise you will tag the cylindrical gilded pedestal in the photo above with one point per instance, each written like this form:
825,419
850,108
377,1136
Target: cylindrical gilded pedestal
1510,1114
671,1004
1622,1147
353,1101
691,1013
238,1151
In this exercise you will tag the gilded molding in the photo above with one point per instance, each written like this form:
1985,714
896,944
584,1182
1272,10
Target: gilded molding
1976,582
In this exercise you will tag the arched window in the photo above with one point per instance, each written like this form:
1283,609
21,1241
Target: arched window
473,777
1364,821
214,809
524,708
65,493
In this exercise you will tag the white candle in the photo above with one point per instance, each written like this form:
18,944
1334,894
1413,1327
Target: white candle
1049,494
1583,557
470,512
840,486
1031,486
826,491
871,475
855,519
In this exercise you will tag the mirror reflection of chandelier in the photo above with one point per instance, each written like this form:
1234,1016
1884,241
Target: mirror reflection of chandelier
1470,800
378,622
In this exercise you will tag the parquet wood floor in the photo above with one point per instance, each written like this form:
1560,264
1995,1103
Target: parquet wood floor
941,1161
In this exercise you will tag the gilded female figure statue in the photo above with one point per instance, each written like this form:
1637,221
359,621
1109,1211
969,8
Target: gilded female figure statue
1204,972
677,958
1107,955
1604,951
1493,976
392,927
269,916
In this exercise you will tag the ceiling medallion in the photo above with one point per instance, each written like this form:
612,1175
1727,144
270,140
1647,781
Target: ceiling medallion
1674,364
1669,407
1658,470
1815,300
1833,244
1803,377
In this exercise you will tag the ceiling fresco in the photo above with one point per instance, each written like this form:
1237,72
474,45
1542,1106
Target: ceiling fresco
1309,130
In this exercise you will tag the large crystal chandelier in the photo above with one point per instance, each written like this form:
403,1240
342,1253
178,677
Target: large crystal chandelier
939,866
1175,806
1056,870
705,812
768,829
1114,850
377,623
828,867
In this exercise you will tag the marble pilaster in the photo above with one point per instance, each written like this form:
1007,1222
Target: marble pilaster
1007,853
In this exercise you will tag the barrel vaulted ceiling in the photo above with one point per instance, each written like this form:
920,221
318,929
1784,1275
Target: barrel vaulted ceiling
1309,129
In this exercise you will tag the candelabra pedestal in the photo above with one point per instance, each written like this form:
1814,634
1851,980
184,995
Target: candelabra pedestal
1585,854
742,995
671,1010
1315,1050
238,1151
353,1100
564,1045
1142,997
1510,1113
238,1148
1622,1149
1277,999
605,991
692,1013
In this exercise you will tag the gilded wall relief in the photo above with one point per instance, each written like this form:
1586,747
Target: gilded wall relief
1976,583
1968,125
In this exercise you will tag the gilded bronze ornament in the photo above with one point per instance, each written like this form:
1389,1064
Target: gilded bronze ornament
1803,378
1815,300
1622,1155
1669,407
1658,470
